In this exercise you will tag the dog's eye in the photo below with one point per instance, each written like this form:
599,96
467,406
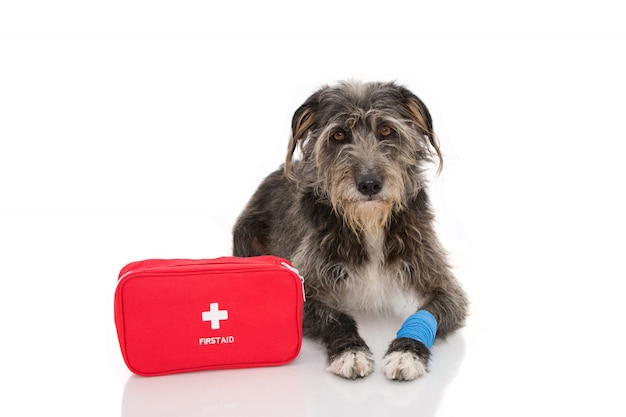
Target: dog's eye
386,132
339,135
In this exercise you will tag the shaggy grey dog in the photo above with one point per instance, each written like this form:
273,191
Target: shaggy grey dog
352,215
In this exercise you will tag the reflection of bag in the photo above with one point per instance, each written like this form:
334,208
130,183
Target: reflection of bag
279,392
184,315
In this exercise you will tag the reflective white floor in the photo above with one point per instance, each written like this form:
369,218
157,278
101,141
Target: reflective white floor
299,389
134,129
530,347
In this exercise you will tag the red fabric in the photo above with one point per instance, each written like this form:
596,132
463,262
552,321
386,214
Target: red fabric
186,315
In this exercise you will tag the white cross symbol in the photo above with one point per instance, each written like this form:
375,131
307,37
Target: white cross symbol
214,315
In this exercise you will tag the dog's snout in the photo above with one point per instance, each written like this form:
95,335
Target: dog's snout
369,184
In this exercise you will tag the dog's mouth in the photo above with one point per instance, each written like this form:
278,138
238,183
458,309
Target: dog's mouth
370,199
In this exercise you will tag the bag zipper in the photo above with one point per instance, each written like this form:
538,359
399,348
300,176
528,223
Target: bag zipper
151,264
218,261
295,271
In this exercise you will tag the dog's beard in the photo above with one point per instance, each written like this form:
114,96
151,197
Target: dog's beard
370,217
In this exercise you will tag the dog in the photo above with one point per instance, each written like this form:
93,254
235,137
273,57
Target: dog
349,208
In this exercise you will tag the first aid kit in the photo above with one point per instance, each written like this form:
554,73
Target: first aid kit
182,315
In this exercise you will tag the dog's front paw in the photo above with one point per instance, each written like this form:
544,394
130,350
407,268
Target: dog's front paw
352,364
405,360
403,366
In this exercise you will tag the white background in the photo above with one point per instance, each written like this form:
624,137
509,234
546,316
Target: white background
137,129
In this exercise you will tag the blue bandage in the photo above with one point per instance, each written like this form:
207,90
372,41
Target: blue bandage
421,326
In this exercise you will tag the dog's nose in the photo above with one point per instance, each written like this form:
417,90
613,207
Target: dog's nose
369,184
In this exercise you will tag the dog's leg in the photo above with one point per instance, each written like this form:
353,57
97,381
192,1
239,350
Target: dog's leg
407,359
347,354
246,241
251,233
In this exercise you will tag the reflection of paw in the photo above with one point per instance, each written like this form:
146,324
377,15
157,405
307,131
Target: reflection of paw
403,366
352,364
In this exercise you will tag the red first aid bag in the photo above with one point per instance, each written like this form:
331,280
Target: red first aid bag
183,315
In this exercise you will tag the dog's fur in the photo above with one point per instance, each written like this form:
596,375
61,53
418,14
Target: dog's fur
353,216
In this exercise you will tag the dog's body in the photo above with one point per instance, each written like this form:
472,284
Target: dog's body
353,217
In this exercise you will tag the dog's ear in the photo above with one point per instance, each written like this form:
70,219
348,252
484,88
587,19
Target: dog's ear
301,122
421,117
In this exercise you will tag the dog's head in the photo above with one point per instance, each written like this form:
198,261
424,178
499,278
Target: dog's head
363,149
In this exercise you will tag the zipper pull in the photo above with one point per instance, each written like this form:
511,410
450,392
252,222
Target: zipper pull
125,273
294,270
